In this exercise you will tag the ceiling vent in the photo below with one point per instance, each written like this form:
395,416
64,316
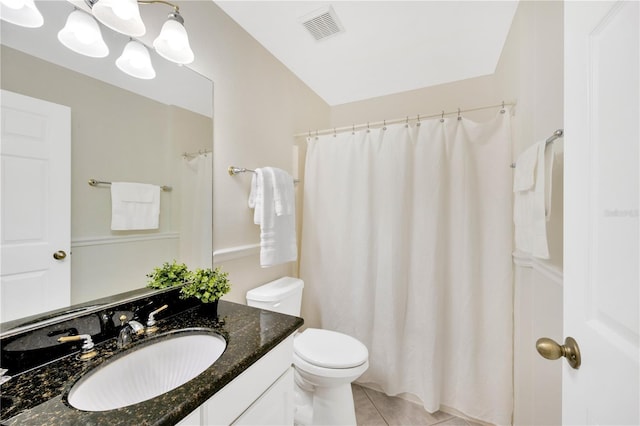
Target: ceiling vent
322,23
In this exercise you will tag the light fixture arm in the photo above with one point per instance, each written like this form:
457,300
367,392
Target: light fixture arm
176,8
175,15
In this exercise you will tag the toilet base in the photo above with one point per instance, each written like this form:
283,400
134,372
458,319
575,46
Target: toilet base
324,405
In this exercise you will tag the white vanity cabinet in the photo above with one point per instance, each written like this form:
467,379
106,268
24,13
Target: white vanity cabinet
262,394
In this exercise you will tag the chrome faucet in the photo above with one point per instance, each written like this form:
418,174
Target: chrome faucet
128,330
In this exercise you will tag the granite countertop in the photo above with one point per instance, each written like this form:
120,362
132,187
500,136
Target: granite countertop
38,396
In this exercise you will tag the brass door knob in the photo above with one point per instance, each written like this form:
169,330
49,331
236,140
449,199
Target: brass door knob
59,255
549,349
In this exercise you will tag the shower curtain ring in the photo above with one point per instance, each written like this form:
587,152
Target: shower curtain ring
384,124
368,129
502,110
418,123
459,117
442,117
353,129
406,123
334,132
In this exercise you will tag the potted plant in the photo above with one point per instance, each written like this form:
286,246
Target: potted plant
169,275
207,285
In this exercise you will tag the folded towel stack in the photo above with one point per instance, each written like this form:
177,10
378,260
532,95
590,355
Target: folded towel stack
272,198
134,206
532,205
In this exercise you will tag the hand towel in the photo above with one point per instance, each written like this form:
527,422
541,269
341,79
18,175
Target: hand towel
532,203
277,231
134,206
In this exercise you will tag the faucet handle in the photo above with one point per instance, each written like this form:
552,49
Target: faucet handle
151,321
87,346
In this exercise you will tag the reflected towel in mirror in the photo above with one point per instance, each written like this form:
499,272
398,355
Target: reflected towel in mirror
134,206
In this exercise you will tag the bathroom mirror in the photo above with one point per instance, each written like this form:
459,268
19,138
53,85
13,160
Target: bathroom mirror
122,129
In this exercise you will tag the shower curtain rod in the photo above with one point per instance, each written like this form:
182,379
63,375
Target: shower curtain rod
384,123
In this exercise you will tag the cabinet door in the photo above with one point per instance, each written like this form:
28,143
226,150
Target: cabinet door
193,419
233,400
274,407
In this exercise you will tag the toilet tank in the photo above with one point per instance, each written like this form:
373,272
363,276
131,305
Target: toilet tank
283,295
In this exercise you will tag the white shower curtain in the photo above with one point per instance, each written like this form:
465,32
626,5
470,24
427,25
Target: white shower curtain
196,244
406,245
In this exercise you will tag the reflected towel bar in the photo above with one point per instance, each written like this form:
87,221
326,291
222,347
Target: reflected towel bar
557,134
95,182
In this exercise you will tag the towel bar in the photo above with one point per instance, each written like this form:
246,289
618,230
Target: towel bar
95,182
557,134
233,170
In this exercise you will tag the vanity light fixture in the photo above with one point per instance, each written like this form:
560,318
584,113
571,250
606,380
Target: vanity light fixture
135,61
21,12
123,16
82,34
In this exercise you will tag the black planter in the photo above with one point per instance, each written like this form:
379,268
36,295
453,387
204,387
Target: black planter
210,309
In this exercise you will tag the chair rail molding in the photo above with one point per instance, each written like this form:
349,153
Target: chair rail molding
544,267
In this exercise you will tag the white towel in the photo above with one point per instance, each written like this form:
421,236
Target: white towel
525,174
532,205
283,196
134,206
277,230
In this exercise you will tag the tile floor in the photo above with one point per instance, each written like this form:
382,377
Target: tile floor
377,409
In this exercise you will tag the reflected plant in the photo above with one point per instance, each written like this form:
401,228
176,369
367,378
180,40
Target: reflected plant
169,275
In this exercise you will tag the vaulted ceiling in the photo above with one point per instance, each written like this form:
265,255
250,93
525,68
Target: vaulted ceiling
385,47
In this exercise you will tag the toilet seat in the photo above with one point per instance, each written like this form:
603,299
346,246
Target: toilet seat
346,375
329,349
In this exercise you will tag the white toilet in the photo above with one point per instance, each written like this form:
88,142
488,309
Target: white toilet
325,362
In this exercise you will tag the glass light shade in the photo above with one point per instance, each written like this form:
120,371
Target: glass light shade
173,43
21,12
135,61
120,15
82,34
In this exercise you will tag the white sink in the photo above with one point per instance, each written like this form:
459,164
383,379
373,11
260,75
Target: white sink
147,372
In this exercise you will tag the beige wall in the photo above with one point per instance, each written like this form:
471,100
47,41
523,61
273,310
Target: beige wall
258,106
463,94
531,68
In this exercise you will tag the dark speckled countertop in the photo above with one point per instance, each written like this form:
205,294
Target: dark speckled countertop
38,396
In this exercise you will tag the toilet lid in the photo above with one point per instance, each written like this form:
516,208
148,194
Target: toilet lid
329,349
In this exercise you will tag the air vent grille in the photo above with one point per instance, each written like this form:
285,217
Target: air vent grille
322,23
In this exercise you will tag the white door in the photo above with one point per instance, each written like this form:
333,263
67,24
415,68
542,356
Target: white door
35,206
601,272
